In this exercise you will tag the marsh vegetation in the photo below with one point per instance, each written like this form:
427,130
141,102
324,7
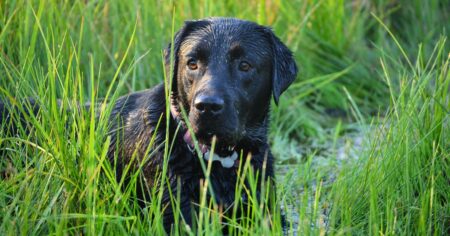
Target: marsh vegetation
362,138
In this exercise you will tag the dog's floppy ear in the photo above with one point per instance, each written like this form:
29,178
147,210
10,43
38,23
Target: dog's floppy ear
188,27
284,68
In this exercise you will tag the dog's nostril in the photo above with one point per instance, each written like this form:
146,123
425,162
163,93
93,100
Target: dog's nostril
216,107
211,104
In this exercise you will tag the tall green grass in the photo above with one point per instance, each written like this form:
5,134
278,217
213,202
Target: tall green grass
400,186
57,180
327,37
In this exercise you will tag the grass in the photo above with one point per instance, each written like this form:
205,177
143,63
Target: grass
400,186
381,66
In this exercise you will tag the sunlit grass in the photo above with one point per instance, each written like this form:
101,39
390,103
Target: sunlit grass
57,179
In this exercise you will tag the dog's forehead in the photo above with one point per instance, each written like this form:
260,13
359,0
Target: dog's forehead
224,36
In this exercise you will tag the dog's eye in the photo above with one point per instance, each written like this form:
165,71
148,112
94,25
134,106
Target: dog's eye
244,66
192,64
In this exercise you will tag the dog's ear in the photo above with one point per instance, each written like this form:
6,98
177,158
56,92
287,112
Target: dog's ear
284,68
188,27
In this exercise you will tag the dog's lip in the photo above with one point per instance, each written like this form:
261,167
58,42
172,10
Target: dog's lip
222,150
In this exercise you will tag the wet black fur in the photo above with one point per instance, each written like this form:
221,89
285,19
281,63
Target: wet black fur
135,117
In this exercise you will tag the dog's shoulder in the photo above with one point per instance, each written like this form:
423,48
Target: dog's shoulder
150,100
134,120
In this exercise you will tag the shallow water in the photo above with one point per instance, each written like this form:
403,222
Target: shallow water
313,168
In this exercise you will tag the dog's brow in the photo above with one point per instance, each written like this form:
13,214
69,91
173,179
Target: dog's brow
236,50
199,51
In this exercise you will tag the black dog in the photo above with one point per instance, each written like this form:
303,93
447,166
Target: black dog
224,74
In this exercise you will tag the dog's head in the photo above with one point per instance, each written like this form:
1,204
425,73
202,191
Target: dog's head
224,73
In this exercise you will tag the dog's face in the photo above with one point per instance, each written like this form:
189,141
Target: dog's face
225,71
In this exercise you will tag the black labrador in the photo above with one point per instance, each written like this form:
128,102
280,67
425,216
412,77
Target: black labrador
224,73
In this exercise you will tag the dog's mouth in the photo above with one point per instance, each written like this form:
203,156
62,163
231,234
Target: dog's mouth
225,153
222,149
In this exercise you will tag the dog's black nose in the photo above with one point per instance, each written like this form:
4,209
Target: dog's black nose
209,104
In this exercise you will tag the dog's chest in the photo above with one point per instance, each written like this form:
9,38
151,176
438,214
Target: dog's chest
222,180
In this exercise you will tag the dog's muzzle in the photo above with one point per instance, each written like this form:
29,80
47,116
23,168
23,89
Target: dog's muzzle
226,162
